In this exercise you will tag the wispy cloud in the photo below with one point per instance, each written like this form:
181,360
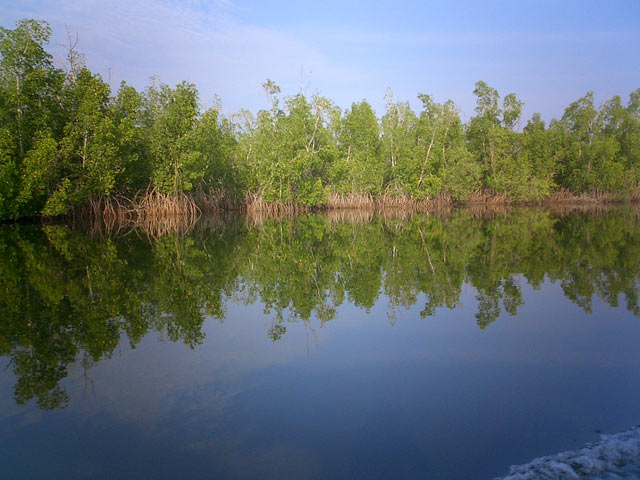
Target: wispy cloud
457,38
229,47
195,40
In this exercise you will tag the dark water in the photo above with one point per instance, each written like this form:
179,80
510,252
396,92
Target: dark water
341,346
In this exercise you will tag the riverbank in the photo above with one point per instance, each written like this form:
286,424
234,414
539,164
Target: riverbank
159,214
612,457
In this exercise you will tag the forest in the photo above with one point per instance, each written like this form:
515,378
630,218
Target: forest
67,142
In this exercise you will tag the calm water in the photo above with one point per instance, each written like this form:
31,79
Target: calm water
340,346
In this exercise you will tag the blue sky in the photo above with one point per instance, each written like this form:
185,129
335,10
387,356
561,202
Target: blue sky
548,52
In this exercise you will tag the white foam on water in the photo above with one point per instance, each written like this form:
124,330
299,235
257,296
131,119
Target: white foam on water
613,457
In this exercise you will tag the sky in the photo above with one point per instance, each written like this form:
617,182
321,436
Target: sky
548,52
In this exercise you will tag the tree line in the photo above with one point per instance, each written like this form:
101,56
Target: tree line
67,140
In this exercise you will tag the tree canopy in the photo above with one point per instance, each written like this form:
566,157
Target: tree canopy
67,140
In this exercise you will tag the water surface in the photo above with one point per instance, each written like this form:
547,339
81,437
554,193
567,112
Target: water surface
347,345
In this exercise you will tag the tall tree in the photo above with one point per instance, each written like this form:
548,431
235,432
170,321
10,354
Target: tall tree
360,169
399,126
169,115
588,156
32,106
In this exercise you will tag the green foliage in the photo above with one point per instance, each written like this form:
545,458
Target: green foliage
288,152
67,142
540,146
360,168
591,159
212,138
88,148
520,166
399,127
511,111
29,84
9,174
439,132
462,174
487,103
39,174
133,168
169,115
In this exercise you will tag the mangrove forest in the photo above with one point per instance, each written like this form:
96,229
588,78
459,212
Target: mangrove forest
68,142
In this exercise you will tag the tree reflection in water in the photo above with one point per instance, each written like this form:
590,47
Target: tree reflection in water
68,296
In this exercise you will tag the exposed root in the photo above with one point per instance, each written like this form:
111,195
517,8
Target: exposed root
155,213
